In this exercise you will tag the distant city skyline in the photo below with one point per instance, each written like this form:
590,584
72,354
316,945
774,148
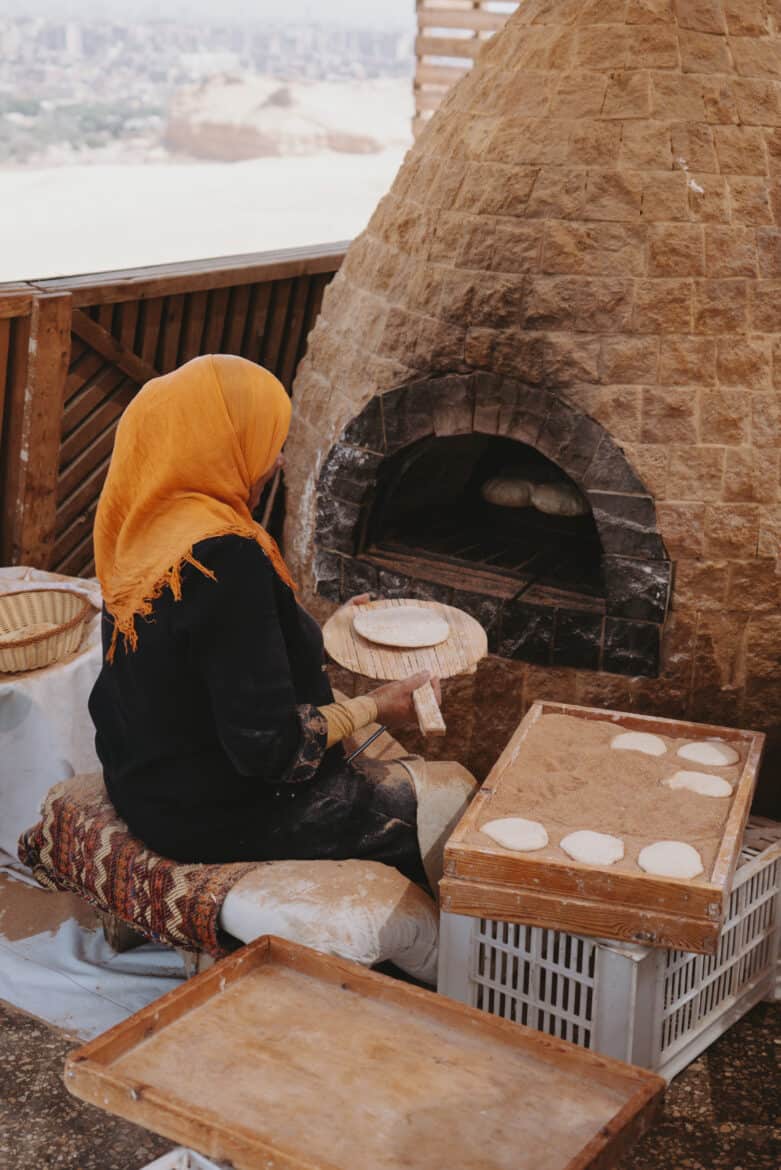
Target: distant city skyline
123,108
359,13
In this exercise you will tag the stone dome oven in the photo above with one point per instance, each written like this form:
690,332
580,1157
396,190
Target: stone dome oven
576,272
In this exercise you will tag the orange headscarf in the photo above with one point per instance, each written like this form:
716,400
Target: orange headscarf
188,450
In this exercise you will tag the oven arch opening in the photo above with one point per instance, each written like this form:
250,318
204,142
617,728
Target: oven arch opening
405,482
485,512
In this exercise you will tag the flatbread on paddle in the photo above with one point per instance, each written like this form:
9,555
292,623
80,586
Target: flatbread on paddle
407,626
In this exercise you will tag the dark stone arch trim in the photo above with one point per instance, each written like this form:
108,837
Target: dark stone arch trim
623,634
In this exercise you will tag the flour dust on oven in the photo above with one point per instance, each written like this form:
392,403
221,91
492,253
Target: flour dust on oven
507,501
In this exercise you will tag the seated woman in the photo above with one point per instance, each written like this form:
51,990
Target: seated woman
216,725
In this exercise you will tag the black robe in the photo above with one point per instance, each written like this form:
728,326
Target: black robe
212,745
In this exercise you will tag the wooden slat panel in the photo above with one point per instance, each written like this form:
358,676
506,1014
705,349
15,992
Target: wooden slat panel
170,330
429,99
74,536
104,315
106,414
10,464
85,463
79,500
473,19
36,449
275,300
236,319
196,275
431,46
436,24
95,391
109,347
151,313
294,331
256,321
272,341
215,320
86,366
192,330
74,564
6,327
5,346
320,284
446,75
127,319
78,349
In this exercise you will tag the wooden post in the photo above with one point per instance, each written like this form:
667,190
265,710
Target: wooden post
36,405
15,380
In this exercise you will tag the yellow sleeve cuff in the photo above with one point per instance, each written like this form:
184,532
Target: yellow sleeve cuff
344,718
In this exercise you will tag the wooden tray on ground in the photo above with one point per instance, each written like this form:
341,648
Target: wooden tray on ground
485,881
465,645
284,1059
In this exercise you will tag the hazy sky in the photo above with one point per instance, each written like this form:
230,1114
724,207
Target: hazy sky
366,13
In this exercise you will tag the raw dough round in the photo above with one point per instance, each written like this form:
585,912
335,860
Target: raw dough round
516,833
673,859
408,626
639,741
710,753
700,782
28,631
559,499
593,848
507,491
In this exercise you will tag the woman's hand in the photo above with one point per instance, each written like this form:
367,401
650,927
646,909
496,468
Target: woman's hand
394,700
361,599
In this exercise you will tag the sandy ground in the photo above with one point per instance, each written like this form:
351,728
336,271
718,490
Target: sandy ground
66,220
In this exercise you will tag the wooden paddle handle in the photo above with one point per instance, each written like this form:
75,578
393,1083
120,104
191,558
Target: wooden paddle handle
430,719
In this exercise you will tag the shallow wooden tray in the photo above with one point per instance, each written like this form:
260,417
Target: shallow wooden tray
485,881
281,1058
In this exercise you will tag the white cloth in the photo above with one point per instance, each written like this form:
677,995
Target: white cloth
46,734
66,973
359,910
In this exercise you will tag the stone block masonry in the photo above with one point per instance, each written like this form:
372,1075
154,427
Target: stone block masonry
595,211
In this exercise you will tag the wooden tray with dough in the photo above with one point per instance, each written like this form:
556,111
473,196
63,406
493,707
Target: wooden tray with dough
465,645
483,880
280,1058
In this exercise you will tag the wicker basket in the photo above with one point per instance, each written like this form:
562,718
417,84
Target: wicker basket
66,610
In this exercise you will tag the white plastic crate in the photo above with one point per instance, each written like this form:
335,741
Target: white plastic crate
655,1008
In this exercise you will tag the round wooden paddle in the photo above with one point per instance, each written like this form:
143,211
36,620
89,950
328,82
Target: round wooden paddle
463,648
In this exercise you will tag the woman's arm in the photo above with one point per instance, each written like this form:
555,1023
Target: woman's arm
350,715
389,705
238,647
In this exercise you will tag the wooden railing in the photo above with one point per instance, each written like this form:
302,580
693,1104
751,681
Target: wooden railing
74,352
450,35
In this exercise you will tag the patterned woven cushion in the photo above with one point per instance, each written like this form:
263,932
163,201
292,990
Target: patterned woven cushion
81,845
